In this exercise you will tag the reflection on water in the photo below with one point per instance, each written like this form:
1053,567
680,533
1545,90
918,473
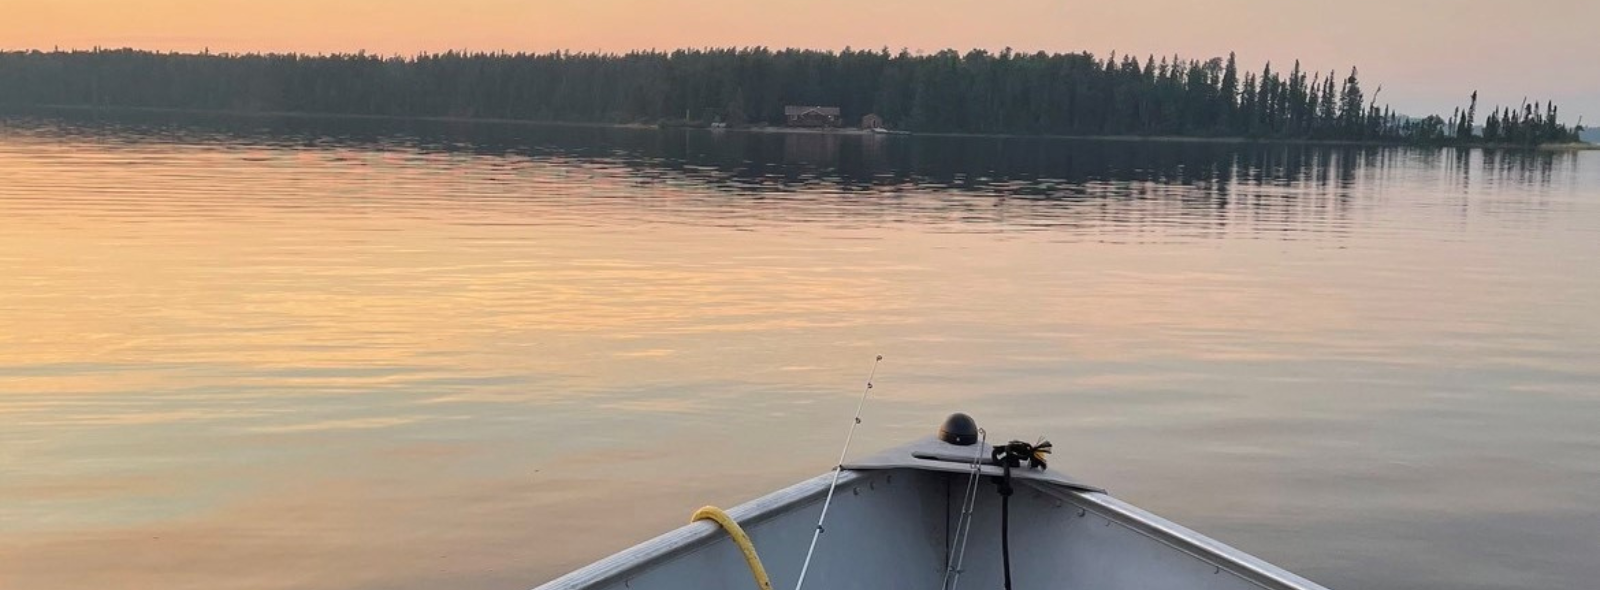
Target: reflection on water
310,353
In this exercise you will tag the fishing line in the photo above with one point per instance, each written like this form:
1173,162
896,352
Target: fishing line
838,469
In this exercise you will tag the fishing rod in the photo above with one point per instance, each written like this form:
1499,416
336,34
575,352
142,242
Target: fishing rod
838,469
957,556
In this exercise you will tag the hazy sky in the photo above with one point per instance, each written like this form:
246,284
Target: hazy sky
1428,54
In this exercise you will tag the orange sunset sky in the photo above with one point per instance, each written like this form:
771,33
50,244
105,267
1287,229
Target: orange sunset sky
1428,54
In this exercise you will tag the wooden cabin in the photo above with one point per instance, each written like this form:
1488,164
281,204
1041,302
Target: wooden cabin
872,121
812,116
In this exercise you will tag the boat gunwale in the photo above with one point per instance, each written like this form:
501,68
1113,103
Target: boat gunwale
697,535
1178,537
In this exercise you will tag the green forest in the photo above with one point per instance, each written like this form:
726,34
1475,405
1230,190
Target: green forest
976,92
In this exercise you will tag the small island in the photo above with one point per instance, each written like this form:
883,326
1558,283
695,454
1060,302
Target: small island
948,92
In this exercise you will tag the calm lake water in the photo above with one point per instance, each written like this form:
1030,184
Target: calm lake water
309,354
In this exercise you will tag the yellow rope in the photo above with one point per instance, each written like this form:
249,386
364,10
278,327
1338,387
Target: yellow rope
739,538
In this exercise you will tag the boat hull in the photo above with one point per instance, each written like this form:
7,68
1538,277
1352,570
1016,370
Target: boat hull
891,527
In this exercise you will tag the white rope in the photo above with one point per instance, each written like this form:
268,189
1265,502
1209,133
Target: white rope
837,470
969,500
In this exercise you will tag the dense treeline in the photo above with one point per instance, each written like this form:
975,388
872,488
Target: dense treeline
976,92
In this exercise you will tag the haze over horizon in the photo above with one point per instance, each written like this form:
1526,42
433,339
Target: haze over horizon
1428,55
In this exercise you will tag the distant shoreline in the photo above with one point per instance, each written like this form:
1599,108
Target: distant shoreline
768,129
